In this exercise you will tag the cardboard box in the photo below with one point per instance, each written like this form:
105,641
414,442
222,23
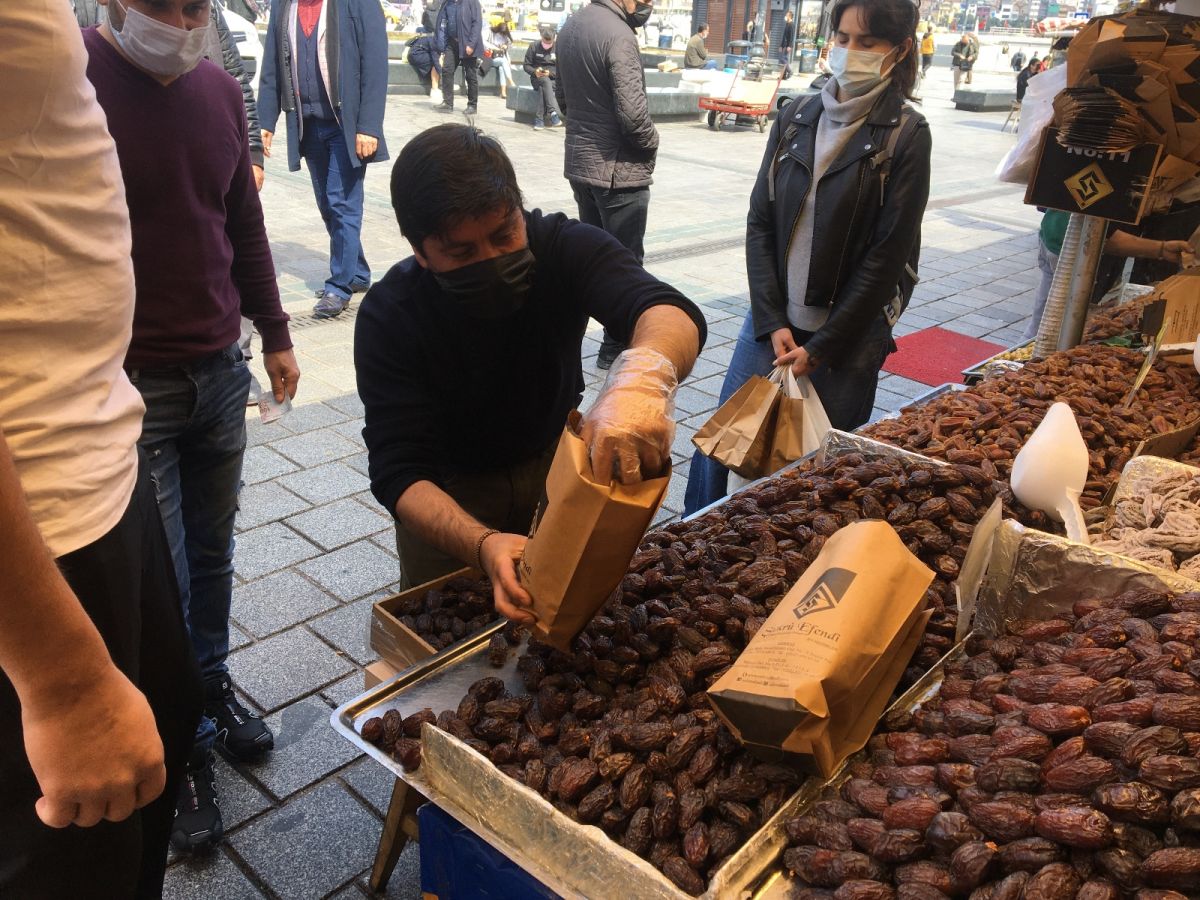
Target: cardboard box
378,673
1110,186
398,644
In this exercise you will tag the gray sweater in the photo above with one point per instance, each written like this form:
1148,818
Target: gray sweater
839,123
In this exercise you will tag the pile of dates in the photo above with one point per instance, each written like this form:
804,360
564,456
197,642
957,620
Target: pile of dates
619,732
987,425
1117,320
447,614
1059,761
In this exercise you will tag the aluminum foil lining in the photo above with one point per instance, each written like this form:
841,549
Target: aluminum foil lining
1034,575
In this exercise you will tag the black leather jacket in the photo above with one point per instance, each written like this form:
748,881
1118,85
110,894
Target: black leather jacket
222,49
865,232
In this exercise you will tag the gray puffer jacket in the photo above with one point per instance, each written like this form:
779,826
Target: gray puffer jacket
601,89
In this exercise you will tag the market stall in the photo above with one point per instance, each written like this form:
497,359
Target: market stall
1043,732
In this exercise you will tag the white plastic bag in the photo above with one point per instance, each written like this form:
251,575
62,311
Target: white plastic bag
1037,111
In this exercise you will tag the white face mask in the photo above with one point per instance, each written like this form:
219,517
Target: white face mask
857,71
157,47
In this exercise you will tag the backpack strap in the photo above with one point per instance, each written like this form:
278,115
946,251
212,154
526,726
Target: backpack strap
882,161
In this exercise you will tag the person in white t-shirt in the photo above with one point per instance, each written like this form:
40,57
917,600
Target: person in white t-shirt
99,690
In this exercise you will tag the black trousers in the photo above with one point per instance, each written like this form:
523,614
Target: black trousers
622,212
126,583
470,64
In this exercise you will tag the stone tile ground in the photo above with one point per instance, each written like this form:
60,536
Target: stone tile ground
314,549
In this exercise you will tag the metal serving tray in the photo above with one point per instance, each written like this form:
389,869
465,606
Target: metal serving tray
572,859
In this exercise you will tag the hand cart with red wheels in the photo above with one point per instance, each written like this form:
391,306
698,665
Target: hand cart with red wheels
749,101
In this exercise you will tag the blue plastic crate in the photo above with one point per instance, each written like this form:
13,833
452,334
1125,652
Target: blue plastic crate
457,865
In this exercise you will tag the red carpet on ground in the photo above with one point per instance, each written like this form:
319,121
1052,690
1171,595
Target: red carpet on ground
935,356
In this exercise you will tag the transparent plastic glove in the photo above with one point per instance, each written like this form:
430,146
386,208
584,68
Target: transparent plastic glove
629,429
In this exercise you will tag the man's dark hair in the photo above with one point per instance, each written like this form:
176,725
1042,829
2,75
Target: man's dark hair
894,21
703,26
446,175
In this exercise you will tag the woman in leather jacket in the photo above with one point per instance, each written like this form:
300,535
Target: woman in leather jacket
832,267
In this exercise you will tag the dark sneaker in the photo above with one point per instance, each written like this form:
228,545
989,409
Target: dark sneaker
240,733
197,827
358,287
445,107
538,124
609,351
555,121
471,110
329,305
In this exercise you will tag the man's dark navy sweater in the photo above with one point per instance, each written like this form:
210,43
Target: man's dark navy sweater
445,394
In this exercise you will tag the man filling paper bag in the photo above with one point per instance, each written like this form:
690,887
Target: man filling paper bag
585,532
818,674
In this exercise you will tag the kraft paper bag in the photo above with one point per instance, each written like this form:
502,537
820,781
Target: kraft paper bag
800,420
738,435
832,651
583,537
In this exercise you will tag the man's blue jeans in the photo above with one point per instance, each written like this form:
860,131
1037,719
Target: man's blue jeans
194,435
338,186
847,393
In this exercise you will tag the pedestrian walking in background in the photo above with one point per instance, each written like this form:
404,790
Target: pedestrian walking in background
962,58
1018,61
833,236
497,41
458,36
325,68
541,65
99,691
201,260
611,142
928,48
787,44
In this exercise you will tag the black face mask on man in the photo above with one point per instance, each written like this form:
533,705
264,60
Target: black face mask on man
493,288
640,15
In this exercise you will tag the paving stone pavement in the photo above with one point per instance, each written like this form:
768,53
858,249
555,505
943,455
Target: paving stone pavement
314,549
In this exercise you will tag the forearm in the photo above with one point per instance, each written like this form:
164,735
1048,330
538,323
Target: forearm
253,269
671,332
434,517
1122,243
36,601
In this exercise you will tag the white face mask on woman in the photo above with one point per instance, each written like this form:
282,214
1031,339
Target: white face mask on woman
157,47
857,71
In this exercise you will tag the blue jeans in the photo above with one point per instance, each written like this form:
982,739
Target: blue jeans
1047,263
338,185
194,435
847,392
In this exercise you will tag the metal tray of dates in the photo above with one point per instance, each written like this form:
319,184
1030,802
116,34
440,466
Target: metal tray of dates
572,859
1028,577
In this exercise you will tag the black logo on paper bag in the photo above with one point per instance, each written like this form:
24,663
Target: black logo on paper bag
825,594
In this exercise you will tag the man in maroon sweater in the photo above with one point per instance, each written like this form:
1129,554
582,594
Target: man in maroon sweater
201,261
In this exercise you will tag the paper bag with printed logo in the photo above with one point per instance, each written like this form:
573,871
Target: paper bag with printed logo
819,672
583,537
